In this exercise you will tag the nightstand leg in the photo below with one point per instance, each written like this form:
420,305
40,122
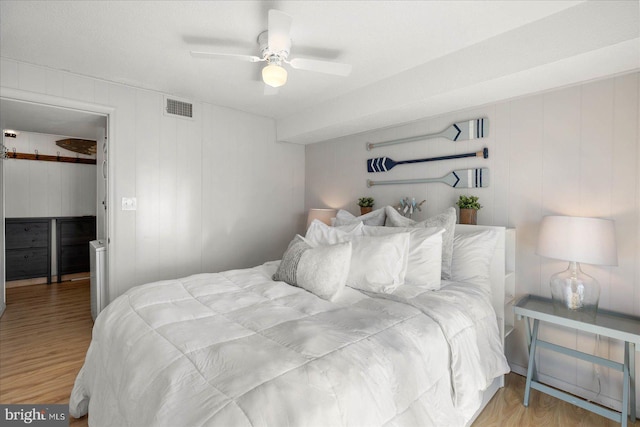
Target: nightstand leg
625,385
527,322
531,370
632,380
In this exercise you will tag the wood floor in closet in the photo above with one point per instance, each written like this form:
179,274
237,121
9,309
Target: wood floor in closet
46,329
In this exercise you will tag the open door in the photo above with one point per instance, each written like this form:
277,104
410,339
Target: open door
34,105
3,298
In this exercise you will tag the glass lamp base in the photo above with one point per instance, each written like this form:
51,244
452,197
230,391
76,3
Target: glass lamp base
575,290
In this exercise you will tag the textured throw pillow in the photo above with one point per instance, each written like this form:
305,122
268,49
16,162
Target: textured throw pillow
320,233
425,253
379,263
446,220
376,217
472,253
322,270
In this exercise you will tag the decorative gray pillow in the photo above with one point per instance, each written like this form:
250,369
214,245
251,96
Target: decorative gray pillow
446,220
321,270
376,217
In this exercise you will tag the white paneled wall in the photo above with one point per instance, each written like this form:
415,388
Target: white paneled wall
40,189
213,193
572,151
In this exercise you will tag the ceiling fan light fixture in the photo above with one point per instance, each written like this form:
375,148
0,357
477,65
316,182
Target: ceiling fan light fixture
274,75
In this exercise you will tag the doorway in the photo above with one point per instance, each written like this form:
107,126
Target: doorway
52,115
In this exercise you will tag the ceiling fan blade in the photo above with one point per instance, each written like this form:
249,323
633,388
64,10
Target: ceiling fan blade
279,30
335,68
211,55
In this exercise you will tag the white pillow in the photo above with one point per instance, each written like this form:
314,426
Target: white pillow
446,220
379,263
376,217
425,253
322,270
320,233
472,253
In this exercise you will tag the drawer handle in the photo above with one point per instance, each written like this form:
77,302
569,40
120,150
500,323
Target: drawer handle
26,256
26,229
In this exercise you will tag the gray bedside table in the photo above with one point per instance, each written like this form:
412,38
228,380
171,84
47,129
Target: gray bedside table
606,323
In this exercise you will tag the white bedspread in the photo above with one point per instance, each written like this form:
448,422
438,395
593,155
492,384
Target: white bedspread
237,348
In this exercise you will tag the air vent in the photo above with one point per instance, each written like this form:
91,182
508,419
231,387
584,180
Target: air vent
174,107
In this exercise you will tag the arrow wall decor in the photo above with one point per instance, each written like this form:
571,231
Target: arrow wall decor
461,131
383,164
461,178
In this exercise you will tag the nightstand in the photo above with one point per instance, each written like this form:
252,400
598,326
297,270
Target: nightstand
605,323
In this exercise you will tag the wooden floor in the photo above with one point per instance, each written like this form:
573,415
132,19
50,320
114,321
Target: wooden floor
46,329
506,409
44,334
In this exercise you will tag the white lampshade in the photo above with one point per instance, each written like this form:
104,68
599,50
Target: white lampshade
584,240
577,240
274,75
323,215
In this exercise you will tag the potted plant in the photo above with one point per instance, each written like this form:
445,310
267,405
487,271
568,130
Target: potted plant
469,207
366,204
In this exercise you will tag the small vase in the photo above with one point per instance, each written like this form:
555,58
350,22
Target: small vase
469,216
366,210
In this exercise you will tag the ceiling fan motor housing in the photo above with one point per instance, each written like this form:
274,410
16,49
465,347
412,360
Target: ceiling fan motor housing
268,54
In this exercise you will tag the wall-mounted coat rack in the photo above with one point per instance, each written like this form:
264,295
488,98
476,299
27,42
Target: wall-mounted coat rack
47,158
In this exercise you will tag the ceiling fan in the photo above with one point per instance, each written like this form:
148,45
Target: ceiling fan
275,45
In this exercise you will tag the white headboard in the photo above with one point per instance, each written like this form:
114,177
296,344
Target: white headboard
498,268
498,294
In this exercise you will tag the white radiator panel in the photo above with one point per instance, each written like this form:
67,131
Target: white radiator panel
97,264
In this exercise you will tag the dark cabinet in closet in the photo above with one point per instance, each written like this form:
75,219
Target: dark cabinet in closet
28,248
72,242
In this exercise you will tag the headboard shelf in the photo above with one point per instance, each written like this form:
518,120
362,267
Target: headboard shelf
502,273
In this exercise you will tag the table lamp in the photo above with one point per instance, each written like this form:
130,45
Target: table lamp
577,240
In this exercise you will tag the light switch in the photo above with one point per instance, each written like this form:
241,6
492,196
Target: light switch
129,204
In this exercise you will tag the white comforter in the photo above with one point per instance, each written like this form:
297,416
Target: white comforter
236,348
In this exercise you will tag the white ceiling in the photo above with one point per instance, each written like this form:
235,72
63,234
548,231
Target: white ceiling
410,59
27,117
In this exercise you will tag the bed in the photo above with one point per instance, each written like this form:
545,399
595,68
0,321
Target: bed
239,348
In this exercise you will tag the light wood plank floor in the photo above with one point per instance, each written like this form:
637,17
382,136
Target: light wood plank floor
44,334
506,409
46,329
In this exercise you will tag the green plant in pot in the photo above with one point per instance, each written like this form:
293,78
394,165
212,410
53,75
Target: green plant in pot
469,207
366,204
